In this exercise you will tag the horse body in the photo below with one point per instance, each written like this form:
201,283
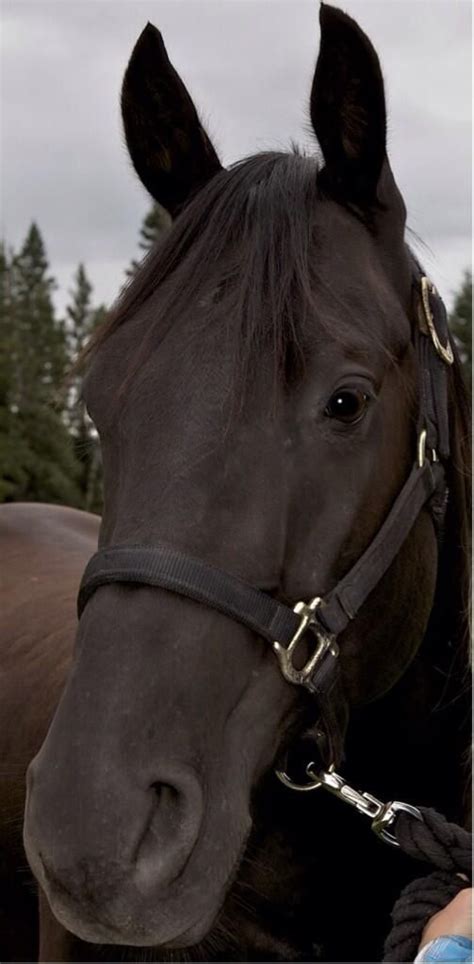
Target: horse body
44,549
257,393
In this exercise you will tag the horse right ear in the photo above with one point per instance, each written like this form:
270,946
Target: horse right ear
348,109
168,145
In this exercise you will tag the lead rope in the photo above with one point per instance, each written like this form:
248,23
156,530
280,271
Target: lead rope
447,847
421,833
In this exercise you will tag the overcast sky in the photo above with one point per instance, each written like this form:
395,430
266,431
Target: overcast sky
248,65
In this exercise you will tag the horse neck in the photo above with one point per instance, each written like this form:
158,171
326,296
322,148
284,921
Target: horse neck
412,744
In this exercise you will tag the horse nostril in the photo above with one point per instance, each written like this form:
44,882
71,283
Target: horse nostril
168,807
172,829
165,793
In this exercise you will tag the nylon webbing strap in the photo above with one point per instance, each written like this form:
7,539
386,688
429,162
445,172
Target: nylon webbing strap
164,567
345,600
161,566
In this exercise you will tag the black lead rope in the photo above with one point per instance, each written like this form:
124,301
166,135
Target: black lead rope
445,846
421,833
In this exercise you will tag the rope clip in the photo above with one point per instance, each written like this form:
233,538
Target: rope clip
382,815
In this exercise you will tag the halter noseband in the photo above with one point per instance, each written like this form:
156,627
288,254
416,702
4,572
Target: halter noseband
322,619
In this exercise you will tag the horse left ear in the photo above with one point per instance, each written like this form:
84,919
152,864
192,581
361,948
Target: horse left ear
348,109
168,145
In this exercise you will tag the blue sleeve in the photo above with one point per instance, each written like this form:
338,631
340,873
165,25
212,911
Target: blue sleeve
451,949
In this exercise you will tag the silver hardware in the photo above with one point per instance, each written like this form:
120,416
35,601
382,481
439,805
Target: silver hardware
382,815
446,353
301,787
387,816
422,450
324,642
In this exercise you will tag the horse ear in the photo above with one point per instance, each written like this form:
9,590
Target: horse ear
168,145
348,109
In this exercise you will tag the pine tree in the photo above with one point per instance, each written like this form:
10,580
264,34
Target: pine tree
6,343
36,454
154,225
461,324
12,454
40,357
82,319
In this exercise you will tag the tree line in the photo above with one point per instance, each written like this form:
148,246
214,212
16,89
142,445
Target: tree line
49,451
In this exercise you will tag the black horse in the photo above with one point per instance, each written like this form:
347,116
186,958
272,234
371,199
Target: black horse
256,391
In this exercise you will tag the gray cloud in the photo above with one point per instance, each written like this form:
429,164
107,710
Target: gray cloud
249,65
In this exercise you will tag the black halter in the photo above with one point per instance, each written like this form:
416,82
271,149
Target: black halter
322,619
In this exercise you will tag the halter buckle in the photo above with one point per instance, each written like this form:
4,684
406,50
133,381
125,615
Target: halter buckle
421,450
427,324
285,654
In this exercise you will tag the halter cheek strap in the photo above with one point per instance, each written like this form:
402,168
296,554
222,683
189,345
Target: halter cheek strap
320,621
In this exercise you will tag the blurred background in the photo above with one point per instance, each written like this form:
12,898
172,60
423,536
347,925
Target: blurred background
75,221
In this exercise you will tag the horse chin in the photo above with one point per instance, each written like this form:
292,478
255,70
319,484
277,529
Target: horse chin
119,925
120,914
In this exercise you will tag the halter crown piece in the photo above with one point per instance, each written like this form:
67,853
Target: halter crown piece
320,621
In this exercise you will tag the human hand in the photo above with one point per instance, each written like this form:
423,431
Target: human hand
456,919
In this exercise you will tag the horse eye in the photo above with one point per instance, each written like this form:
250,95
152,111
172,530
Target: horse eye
347,405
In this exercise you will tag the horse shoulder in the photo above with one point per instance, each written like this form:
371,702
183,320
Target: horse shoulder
43,549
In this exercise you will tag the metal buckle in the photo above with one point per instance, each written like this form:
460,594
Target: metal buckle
382,815
427,288
386,817
422,450
324,642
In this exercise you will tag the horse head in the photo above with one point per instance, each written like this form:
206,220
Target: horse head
256,393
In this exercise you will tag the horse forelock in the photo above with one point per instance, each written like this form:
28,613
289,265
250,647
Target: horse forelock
244,254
